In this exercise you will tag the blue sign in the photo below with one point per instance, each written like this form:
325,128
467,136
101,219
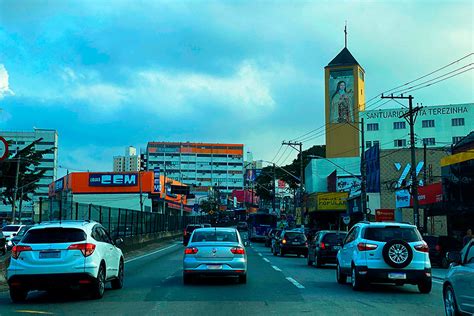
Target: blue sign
156,176
59,185
113,179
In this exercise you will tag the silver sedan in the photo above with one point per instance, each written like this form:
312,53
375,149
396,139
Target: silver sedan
215,252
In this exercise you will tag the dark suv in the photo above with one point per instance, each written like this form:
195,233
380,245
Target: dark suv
3,241
291,241
323,247
439,246
188,231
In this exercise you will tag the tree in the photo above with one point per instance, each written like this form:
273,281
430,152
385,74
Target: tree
264,181
28,175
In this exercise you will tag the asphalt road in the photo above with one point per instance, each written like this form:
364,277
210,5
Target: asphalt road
276,286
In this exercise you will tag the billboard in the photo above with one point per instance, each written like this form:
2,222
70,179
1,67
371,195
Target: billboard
385,215
429,194
156,179
333,201
113,179
341,96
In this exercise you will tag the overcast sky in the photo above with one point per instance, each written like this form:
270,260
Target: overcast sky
108,74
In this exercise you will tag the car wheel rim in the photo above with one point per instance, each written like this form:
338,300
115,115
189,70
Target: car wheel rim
398,253
449,302
121,273
101,281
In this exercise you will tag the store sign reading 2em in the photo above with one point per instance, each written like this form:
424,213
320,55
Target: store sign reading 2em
113,180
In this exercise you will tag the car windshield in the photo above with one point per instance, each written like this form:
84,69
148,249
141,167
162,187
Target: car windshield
210,236
385,234
11,228
54,236
334,238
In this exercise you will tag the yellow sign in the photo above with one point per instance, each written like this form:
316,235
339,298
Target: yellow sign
333,201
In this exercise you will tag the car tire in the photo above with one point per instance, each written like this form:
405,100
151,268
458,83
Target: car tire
450,304
243,278
98,287
282,254
340,276
309,262
425,286
317,262
391,256
187,279
117,283
357,282
18,295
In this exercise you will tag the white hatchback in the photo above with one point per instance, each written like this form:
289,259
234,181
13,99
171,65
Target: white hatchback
384,253
52,255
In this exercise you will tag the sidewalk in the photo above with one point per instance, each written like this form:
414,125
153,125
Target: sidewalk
439,273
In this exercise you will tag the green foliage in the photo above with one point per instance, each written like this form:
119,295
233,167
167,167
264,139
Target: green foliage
264,181
28,175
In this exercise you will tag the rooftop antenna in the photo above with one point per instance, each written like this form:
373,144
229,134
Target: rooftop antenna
345,35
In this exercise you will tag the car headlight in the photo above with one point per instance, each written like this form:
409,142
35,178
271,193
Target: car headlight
9,243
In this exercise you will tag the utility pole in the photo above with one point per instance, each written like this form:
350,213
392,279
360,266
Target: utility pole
16,185
410,117
300,150
363,169
274,189
424,164
141,191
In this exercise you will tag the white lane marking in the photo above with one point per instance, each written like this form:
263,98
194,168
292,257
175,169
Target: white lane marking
295,283
266,259
436,281
151,253
260,254
276,268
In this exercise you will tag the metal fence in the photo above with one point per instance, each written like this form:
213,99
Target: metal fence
119,222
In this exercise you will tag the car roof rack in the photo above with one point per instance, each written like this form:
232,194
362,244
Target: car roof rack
84,221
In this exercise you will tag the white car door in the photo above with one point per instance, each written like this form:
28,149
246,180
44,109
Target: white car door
347,248
111,253
464,287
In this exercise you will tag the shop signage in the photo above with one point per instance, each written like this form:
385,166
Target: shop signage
59,185
113,179
333,201
402,198
3,148
430,111
157,181
384,215
429,194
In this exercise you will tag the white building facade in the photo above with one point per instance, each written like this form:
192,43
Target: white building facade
19,140
437,126
129,162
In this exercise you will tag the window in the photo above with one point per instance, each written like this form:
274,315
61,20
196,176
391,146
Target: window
399,125
54,236
352,235
373,127
457,121
368,144
376,143
456,139
385,234
427,123
399,142
429,141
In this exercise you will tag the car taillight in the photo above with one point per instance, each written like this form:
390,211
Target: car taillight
237,251
283,241
322,245
363,246
87,249
16,250
438,248
422,248
190,251
185,233
306,244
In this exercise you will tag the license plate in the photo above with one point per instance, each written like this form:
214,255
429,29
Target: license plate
397,276
214,266
336,247
49,254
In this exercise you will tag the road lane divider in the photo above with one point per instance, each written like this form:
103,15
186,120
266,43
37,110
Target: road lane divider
151,253
295,283
266,260
276,268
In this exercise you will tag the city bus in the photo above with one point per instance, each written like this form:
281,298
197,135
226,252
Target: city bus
259,225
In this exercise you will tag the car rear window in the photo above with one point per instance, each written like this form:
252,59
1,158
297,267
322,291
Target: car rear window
11,228
334,238
295,235
209,236
54,236
385,234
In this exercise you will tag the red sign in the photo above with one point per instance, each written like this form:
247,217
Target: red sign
430,194
385,215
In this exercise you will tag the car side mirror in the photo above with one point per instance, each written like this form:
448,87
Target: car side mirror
454,257
118,241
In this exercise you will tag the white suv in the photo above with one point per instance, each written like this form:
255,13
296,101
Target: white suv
384,253
54,255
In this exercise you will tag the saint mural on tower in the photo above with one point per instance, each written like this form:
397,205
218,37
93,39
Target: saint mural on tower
342,96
